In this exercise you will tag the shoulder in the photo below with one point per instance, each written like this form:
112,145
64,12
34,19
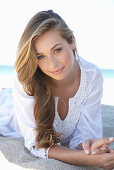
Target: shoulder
18,89
92,70
93,81
93,76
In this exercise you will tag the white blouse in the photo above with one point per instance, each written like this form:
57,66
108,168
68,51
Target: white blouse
82,122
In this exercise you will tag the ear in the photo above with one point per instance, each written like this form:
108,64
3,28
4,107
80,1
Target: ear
73,42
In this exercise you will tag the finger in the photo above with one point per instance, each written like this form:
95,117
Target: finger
86,146
99,143
107,140
103,149
111,151
111,139
96,152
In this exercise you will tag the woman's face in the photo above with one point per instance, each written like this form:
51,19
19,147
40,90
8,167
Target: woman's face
55,55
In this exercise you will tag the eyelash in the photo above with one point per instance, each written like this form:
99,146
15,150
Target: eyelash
40,57
55,51
59,49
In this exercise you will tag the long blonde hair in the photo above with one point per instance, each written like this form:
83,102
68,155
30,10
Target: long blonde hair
34,81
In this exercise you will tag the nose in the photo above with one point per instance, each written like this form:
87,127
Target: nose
52,62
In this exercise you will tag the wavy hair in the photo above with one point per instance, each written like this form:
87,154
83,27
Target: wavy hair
34,81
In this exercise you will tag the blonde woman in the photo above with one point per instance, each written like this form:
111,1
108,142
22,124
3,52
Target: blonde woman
56,97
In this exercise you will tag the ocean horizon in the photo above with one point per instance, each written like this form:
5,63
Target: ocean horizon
6,77
8,69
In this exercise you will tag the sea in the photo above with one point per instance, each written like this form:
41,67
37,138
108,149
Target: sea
6,80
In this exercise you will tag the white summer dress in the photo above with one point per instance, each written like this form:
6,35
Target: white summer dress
82,122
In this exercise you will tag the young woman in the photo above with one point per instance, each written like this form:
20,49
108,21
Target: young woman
56,97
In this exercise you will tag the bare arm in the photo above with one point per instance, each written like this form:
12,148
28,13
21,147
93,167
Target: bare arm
78,157
70,156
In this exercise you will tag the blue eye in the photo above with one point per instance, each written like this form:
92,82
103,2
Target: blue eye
58,50
40,57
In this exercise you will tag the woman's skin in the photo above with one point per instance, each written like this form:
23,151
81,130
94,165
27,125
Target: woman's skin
56,59
78,157
96,146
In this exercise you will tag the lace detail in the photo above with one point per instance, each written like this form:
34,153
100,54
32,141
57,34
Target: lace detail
67,126
40,152
37,152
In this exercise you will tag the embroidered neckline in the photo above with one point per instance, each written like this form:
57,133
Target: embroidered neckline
67,126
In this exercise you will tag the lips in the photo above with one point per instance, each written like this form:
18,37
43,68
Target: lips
58,71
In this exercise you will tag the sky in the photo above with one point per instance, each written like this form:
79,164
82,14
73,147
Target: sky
92,22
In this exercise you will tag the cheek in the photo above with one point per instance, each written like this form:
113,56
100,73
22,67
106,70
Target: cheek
43,66
69,57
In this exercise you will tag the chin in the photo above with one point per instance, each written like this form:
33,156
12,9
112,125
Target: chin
59,78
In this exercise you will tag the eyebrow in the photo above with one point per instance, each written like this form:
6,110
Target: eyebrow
51,48
55,46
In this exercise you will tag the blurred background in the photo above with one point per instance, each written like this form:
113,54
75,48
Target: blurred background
92,22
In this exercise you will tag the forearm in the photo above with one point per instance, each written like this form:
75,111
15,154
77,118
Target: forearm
75,157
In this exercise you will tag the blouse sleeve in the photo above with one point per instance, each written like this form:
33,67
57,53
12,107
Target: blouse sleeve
24,109
90,122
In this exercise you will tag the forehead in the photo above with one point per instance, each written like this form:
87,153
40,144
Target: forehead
48,40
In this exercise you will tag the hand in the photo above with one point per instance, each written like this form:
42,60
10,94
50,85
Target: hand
97,146
105,161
